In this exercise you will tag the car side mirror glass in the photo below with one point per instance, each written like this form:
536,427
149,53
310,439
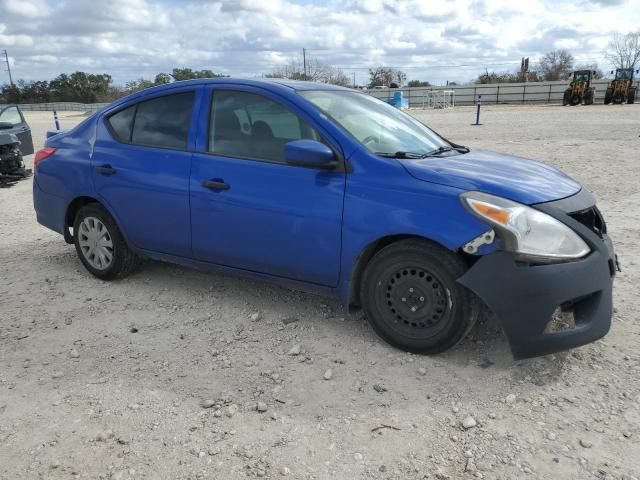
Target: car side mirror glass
310,154
6,126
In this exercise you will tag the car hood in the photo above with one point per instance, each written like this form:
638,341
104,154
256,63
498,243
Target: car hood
516,178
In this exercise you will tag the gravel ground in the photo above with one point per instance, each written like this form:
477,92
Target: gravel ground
178,374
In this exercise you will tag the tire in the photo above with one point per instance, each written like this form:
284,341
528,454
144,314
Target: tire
608,96
566,98
576,100
618,99
94,228
632,96
588,98
412,299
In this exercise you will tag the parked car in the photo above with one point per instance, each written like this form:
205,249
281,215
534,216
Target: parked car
12,122
329,189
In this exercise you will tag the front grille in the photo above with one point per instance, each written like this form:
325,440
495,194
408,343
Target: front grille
592,219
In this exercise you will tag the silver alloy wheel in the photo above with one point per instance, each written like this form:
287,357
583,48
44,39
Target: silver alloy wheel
95,243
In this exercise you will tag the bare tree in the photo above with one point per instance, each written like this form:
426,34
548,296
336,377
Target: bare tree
382,76
624,50
556,65
316,71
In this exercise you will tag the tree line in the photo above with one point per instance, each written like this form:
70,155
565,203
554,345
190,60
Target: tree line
90,88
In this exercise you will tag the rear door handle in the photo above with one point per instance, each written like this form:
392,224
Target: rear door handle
216,184
106,170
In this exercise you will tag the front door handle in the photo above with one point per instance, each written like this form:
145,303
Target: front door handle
106,170
216,184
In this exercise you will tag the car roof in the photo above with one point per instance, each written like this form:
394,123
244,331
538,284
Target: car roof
280,85
269,84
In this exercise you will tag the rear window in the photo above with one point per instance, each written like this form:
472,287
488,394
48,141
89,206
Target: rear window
159,122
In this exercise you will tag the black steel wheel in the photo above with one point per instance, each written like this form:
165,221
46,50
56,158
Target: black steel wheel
412,299
566,97
608,96
632,95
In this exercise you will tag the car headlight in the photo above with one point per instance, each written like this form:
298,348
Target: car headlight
528,232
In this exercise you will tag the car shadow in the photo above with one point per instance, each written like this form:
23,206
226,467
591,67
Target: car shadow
485,349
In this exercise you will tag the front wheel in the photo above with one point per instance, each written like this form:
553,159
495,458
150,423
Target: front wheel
632,96
412,299
100,245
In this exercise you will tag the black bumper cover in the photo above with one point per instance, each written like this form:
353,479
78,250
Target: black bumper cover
524,297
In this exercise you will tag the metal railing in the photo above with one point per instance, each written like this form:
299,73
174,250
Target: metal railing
497,93
61,107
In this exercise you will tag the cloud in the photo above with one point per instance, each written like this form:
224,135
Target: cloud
437,40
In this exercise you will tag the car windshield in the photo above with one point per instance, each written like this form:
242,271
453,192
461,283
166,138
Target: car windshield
581,76
378,126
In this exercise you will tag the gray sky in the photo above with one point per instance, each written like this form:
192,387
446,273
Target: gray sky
435,40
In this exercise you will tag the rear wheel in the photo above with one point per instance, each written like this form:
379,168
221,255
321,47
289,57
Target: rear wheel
100,245
632,96
412,299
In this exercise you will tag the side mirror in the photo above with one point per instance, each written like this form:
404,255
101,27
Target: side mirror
310,154
6,126
611,72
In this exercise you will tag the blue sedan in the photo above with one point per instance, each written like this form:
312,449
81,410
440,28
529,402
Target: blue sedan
328,189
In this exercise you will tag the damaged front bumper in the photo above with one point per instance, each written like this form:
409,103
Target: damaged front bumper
525,296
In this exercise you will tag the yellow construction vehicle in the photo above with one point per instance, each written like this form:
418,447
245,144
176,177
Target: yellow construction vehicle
580,89
621,89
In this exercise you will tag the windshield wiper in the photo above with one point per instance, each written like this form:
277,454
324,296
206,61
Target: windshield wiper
400,154
415,155
447,148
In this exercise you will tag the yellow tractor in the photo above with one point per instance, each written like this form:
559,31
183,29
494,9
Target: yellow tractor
580,89
621,89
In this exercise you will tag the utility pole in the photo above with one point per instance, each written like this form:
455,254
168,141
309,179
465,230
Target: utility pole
304,63
6,59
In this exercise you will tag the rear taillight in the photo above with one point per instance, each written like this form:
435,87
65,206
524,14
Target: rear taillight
41,155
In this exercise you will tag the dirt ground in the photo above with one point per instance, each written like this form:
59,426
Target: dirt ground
162,375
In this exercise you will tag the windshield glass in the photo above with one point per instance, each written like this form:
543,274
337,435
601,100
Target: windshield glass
623,74
581,76
378,126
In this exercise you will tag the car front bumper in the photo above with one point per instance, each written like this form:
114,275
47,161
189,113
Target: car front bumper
524,297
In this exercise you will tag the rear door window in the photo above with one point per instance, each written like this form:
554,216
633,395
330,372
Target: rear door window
163,121
121,123
159,122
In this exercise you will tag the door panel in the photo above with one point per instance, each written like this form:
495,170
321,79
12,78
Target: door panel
21,129
273,218
251,210
147,187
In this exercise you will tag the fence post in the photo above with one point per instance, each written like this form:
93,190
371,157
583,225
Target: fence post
478,112
550,87
55,119
498,95
524,92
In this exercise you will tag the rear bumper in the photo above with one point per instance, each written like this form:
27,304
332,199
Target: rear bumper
524,297
50,209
